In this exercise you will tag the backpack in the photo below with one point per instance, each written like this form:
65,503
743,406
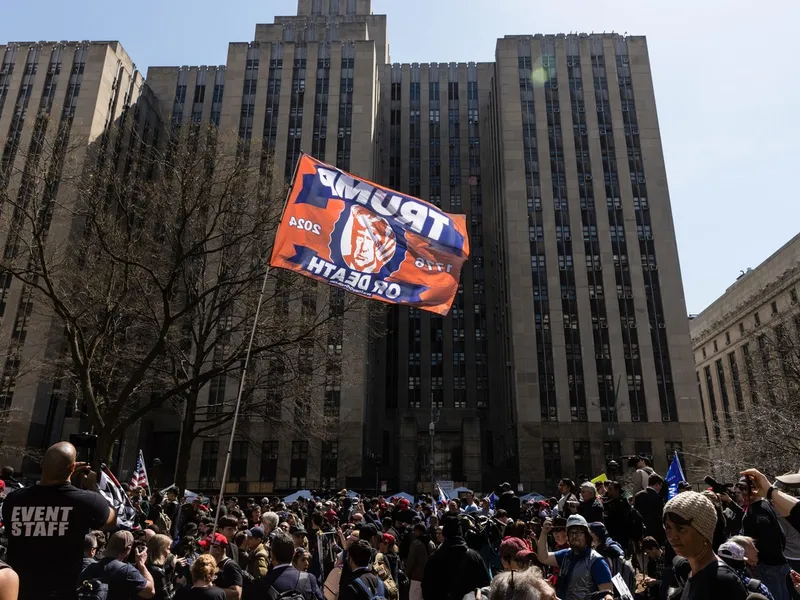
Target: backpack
378,594
96,588
163,522
295,594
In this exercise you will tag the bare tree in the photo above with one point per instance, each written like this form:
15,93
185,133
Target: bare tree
157,280
766,434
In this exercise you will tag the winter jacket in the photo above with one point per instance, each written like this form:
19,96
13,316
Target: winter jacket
453,571
618,520
591,510
417,559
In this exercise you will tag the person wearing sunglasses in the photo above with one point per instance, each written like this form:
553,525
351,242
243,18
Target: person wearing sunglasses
582,570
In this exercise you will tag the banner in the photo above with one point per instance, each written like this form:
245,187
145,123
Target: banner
370,240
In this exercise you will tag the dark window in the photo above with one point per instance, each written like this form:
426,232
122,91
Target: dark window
208,461
269,461
774,307
641,448
552,459
727,337
737,384
793,296
299,466
239,461
757,319
583,460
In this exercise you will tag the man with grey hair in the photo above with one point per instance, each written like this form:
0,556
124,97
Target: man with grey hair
122,579
269,521
520,585
590,508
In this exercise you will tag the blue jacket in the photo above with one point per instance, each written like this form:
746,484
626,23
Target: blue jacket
284,578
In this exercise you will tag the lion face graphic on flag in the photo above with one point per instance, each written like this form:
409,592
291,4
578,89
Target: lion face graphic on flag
368,242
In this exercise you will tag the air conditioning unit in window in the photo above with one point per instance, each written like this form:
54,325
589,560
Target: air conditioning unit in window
650,238
665,418
556,109
350,88
587,177
567,238
634,418
554,85
273,457
581,109
565,296
604,325
654,267
322,136
629,296
662,325
628,357
631,325
620,296
592,295
642,237
598,356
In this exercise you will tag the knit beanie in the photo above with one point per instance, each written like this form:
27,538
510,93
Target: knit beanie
697,509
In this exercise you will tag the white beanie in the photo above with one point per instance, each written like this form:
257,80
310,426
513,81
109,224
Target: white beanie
697,509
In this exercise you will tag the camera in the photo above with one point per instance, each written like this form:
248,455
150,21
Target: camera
716,486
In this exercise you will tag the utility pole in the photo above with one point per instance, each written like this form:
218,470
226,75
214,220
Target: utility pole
432,431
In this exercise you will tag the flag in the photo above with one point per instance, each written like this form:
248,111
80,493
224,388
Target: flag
674,476
441,497
112,491
600,478
492,499
139,477
372,241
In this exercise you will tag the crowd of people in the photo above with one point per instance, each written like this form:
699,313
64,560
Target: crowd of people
595,541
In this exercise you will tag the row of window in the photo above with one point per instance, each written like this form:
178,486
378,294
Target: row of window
774,311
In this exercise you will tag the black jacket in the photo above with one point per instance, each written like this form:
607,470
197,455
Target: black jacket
618,520
591,510
353,590
650,505
761,523
509,503
453,571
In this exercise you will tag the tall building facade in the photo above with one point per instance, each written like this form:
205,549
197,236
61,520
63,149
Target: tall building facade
567,344
729,340
61,104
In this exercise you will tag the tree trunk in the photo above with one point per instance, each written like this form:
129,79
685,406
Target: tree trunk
104,453
187,437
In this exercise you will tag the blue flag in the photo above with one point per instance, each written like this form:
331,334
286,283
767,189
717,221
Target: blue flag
441,496
492,499
674,476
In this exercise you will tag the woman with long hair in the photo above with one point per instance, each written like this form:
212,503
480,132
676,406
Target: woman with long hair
161,565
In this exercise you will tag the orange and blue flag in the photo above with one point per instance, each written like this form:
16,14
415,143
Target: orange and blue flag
351,233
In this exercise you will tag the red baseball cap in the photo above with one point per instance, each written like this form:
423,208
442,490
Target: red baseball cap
2,485
511,547
331,515
388,538
214,539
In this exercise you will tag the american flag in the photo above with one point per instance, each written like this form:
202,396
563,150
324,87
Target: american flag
139,477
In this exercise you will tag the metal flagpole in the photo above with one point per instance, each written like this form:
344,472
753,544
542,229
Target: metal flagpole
146,476
247,363
239,399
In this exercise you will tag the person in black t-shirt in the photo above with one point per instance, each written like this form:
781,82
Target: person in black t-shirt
51,520
203,571
689,521
229,577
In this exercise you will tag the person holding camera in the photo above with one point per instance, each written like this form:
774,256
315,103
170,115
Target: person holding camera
52,518
124,580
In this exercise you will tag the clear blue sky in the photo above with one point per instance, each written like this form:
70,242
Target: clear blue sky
726,78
